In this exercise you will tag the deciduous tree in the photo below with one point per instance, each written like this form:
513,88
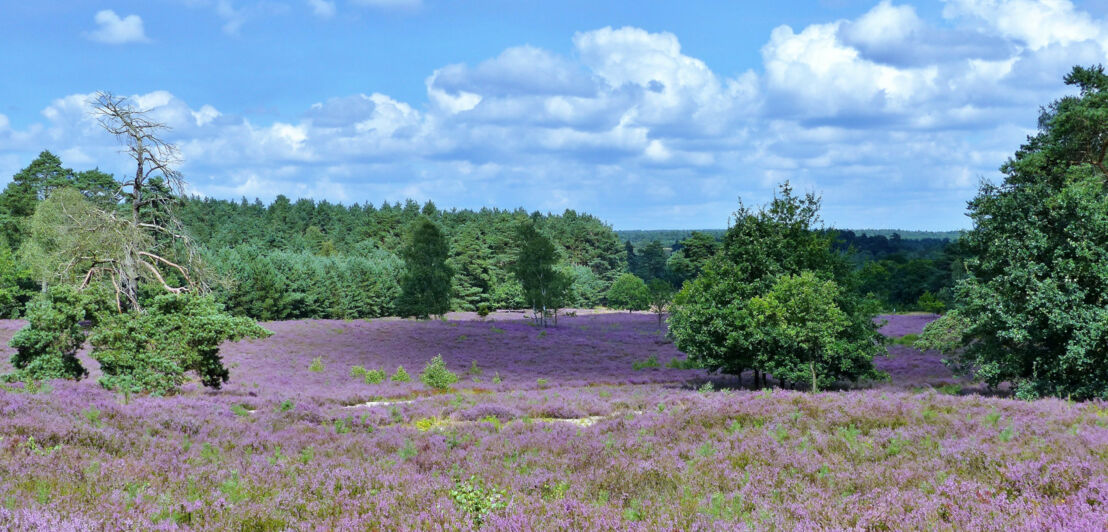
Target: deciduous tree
1034,309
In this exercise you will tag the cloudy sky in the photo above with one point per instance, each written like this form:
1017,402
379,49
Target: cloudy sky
647,113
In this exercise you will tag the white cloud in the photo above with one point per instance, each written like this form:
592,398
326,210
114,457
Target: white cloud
1037,23
111,29
322,8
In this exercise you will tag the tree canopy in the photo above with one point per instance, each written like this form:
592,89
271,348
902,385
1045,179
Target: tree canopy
425,284
745,309
1033,310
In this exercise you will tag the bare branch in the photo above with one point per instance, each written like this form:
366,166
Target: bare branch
163,260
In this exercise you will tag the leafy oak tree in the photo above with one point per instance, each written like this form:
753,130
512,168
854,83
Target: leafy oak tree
1034,309
719,317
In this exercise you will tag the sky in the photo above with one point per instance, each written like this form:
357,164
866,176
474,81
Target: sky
646,113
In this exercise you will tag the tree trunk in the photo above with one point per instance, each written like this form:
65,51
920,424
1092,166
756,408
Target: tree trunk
812,368
128,282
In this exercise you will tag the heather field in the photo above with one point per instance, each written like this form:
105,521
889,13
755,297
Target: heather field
568,428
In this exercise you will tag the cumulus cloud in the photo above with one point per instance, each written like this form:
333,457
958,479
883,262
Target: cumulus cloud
892,116
1036,23
111,29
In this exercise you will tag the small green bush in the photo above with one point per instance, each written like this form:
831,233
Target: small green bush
401,375
907,340
651,362
677,363
474,370
542,383
484,310
435,375
316,366
357,371
374,376
476,500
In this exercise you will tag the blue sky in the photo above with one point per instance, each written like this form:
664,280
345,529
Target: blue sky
649,114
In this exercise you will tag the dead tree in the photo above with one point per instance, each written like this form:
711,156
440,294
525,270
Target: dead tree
150,193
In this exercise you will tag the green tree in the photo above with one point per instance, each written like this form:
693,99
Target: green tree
47,347
1034,308
652,262
629,292
711,317
544,286
425,285
699,248
801,320
661,294
151,351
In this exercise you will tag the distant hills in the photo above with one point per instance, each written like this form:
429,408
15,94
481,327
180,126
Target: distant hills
667,237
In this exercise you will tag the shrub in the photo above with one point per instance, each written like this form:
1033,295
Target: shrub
476,500
357,371
484,310
374,376
435,375
316,366
401,375
686,363
542,383
47,347
150,352
651,362
474,370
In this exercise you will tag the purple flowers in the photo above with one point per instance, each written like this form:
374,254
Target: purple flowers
281,447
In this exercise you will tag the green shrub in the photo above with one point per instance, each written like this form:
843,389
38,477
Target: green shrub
484,310
651,362
47,347
542,383
150,352
357,371
476,500
401,375
686,363
473,370
374,376
435,375
909,340
317,365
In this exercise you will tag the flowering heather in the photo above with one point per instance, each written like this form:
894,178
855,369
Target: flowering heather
602,447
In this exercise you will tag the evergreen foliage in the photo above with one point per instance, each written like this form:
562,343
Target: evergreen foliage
47,347
425,284
150,352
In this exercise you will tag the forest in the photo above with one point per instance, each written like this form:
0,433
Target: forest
307,259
